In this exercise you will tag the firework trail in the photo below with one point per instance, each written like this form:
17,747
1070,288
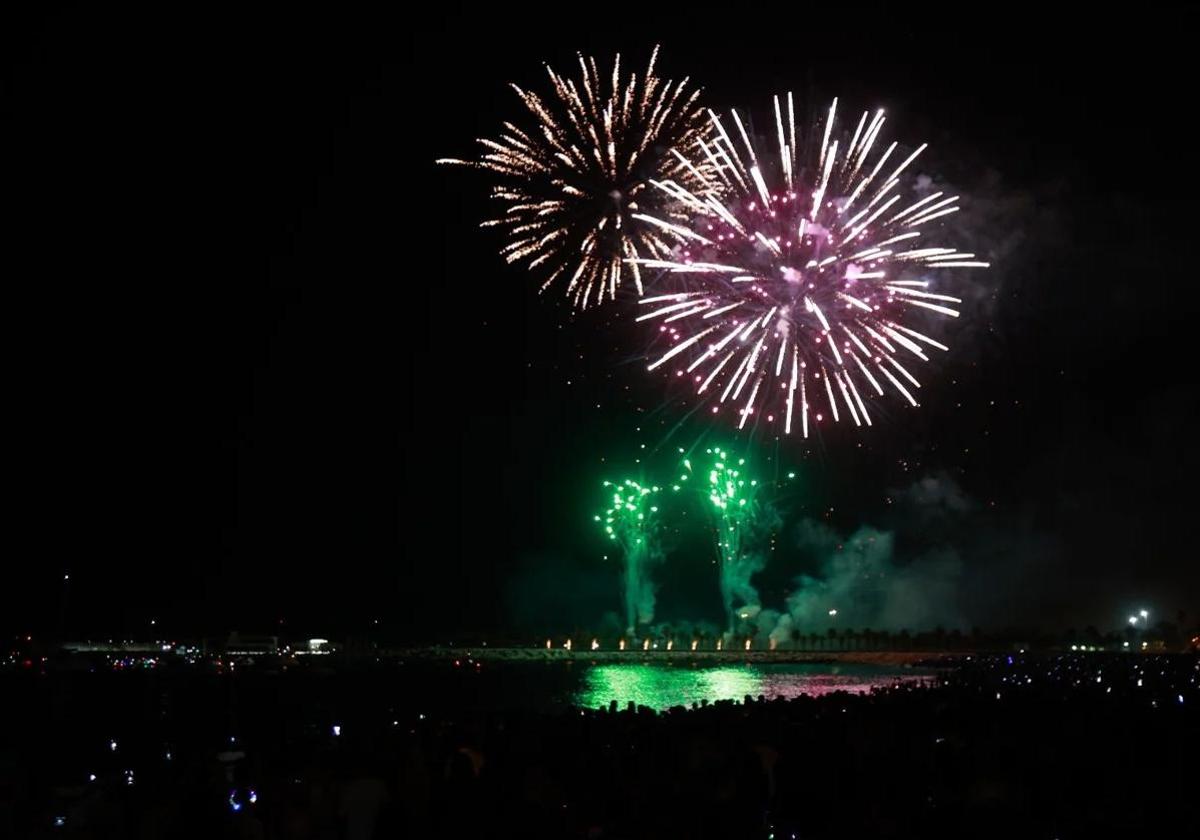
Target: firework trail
631,521
741,521
574,180
787,291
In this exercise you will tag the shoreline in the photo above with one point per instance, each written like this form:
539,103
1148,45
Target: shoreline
659,657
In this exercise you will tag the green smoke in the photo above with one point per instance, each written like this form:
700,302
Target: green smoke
631,523
742,522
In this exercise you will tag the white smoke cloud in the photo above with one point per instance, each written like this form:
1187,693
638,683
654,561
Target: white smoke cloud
936,494
861,576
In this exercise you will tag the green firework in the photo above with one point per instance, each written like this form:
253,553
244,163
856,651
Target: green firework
740,519
631,521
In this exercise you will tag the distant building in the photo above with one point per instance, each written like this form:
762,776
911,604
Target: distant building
239,645
111,646
316,647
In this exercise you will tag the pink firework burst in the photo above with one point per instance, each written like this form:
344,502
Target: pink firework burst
788,288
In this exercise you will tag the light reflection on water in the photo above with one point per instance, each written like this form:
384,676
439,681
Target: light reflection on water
661,686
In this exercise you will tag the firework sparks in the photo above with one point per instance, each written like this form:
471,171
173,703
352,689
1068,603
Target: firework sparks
740,520
787,291
631,521
575,183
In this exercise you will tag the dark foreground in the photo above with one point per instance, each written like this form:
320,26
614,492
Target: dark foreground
1068,746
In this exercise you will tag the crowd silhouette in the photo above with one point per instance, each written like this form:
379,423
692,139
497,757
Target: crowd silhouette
1049,745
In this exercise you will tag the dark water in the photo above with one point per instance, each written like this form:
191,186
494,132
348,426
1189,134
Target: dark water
76,716
551,686
660,686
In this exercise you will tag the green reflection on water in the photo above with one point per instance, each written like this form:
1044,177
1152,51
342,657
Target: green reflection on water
661,687
730,683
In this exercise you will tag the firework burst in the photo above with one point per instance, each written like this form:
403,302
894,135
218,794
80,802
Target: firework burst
788,288
574,181
631,521
740,519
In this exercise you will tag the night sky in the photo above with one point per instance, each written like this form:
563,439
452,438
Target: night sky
264,365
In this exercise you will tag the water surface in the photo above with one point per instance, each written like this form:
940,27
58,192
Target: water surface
663,686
